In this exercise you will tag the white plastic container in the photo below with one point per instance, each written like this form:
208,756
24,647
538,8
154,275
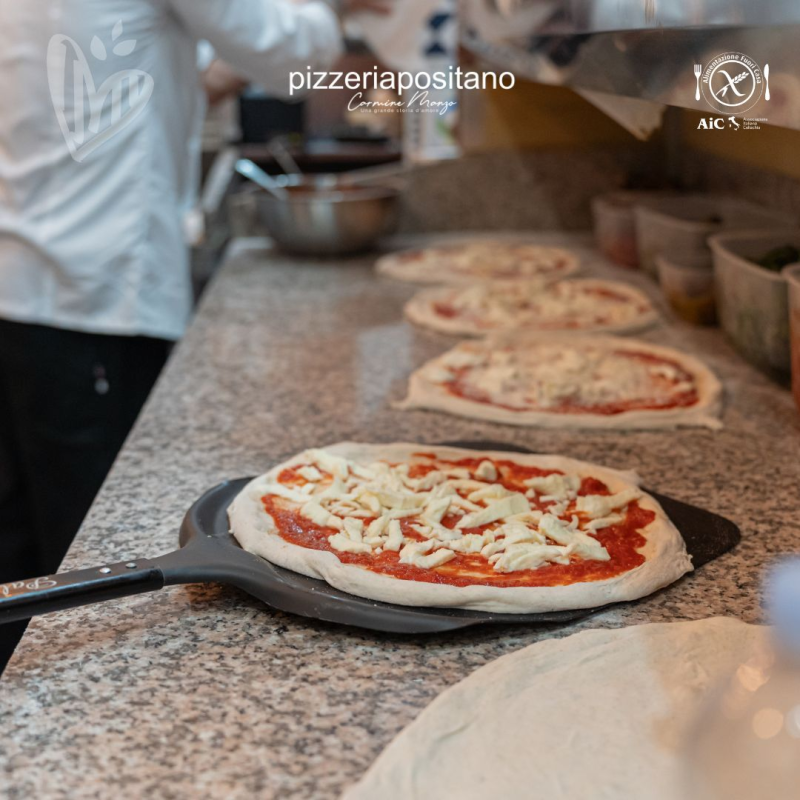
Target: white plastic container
615,224
686,222
792,276
746,744
752,302
687,281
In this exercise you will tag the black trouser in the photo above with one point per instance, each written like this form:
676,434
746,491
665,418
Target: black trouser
67,402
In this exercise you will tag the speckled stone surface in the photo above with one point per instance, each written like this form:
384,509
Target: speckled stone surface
202,692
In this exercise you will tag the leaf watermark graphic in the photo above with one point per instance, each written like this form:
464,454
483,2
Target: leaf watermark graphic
87,114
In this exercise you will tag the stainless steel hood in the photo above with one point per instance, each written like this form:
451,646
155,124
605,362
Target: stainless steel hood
644,49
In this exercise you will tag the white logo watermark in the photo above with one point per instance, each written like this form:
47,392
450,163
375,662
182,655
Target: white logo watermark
422,84
731,83
88,114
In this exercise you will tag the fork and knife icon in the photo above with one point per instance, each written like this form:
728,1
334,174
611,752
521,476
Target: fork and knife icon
698,71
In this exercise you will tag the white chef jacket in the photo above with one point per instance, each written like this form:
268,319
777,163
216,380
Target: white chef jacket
97,244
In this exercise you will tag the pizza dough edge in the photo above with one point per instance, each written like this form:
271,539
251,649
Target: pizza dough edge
418,762
425,395
665,551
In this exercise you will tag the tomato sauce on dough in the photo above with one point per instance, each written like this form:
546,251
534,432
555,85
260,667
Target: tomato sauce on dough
622,541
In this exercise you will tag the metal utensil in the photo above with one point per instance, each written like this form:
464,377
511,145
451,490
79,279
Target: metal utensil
209,553
281,153
365,175
321,216
250,170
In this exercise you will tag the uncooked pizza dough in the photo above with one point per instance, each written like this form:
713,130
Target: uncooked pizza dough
427,525
600,714
578,306
467,262
569,381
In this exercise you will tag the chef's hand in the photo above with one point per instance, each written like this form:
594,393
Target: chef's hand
221,81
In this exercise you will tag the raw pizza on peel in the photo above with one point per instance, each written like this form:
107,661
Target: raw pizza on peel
569,381
467,262
424,525
582,305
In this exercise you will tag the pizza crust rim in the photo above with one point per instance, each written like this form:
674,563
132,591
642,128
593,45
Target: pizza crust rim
419,310
665,550
426,395
391,265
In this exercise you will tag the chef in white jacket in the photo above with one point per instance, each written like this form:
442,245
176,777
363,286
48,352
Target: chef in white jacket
99,102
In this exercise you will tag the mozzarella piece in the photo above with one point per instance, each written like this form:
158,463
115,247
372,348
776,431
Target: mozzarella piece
354,529
343,544
279,490
470,542
467,484
532,517
487,471
605,522
430,561
435,510
377,526
310,473
336,490
514,532
464,504
555,485
438,374
313,511
529,556
582,544
513,504
327,462
426,482
395,539
492,548
457,359
400,500
596,506
493,492
458,472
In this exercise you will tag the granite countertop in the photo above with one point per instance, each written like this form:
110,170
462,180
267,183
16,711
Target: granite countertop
201,691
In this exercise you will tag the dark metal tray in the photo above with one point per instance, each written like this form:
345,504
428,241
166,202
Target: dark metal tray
209,553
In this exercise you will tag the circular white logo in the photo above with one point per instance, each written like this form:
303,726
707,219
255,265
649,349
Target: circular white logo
732,83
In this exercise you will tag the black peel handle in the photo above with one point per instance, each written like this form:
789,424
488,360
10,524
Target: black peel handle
29,598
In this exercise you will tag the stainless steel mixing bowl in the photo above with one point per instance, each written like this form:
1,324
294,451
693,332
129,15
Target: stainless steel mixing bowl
322,216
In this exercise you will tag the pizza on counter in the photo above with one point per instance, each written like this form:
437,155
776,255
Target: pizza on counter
423,525
467,262
569,381
581,305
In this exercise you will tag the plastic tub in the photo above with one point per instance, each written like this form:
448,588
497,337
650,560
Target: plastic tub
615,224
687,280
753,302
792,277
685,223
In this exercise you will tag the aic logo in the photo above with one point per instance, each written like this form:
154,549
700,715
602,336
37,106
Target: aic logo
718,123
732,83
